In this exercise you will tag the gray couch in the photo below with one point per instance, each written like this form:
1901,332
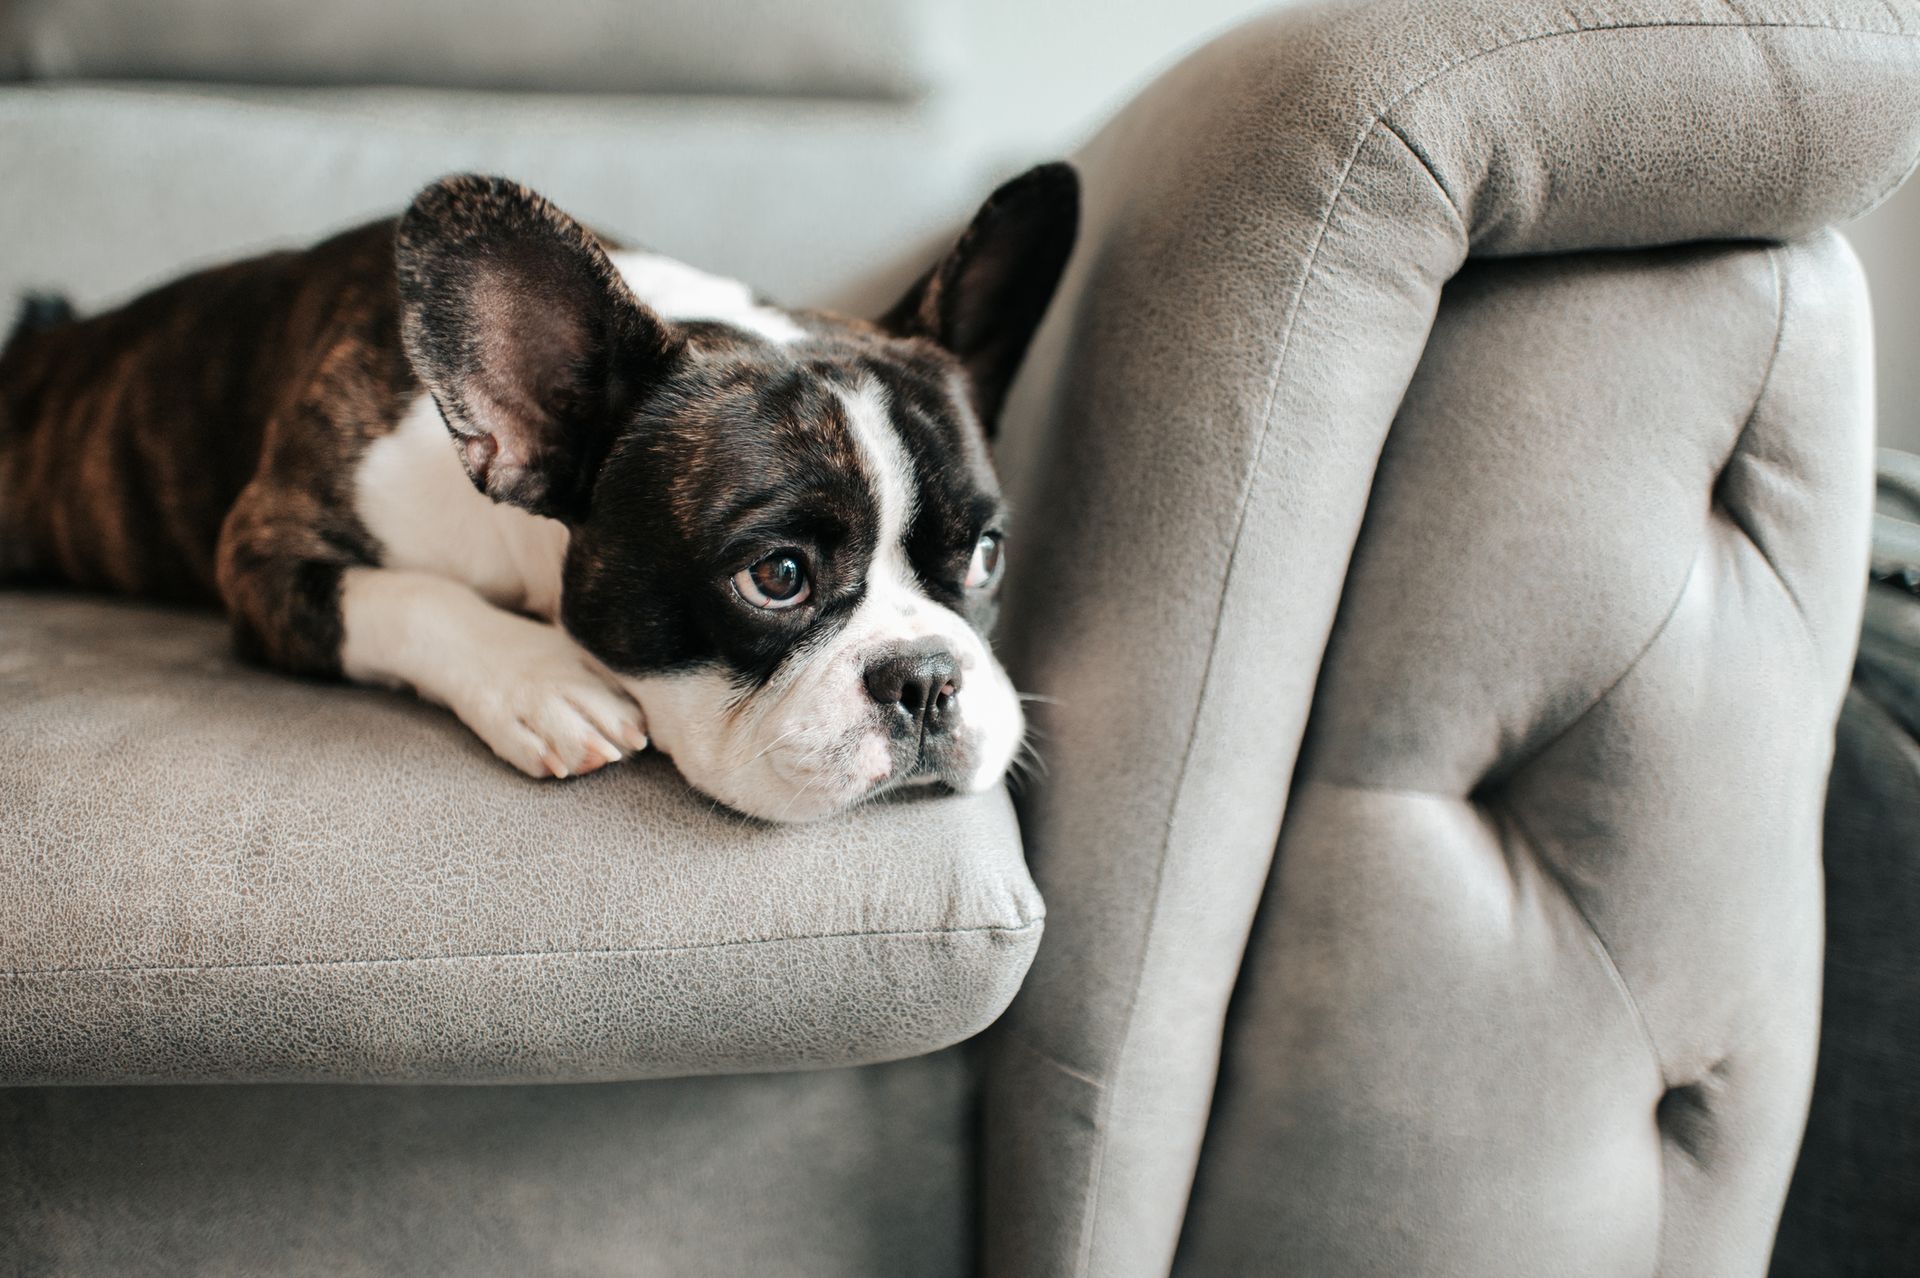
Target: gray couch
1443,482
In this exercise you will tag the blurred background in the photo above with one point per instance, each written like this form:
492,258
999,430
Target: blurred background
819,151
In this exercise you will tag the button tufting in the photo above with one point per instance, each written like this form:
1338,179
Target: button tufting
1687,1114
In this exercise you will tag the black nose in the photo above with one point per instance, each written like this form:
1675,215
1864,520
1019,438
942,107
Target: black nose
920,683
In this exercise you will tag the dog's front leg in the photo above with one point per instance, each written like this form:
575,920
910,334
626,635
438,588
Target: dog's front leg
525,687
300,585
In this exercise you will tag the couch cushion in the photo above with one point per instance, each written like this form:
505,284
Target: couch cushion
852,48
212,873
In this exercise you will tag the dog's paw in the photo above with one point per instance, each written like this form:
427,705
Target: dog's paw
551,710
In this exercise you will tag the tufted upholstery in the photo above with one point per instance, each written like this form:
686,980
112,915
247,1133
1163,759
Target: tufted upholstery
1269,228
1537,972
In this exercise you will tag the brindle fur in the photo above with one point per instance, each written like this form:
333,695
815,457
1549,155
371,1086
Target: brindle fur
196,444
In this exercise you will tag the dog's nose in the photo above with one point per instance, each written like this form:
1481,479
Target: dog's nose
920,683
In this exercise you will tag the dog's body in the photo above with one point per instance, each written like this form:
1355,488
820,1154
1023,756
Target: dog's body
583,497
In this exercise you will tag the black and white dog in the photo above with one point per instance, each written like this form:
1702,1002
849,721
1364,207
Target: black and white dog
586,498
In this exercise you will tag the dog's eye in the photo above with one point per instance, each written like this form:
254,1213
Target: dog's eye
778,581
984,570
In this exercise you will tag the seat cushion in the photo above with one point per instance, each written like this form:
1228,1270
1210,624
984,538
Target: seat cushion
213,873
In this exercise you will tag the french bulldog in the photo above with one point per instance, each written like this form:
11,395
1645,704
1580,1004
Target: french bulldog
587,498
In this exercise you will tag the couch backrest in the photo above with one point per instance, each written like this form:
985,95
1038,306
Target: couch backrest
1535,984
891,49
808,149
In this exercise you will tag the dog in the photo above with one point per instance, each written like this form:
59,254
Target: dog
587,498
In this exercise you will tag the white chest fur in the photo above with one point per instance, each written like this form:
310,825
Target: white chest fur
677,291
414,497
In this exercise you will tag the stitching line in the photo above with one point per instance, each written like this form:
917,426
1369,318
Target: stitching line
1047,1058
1551,874
1600,699
1459,217
1612,965
609,952
1338,193
1603,27
1726,508
1499,778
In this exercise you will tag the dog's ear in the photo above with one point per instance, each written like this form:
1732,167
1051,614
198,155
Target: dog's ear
984,300
525,335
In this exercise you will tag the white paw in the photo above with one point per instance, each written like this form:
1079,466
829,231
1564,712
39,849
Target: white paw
550,709
524,686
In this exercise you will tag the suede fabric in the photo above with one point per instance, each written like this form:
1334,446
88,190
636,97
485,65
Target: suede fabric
257,879
853,48
1268,231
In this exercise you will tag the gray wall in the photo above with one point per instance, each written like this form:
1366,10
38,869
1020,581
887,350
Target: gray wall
1888,241
1043,73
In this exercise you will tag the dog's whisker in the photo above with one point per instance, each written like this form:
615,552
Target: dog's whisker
797,795
772,745
1028,758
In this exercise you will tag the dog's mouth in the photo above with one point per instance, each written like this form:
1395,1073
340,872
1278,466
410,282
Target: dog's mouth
809,784
791,791
911,789
917,766
926,776
803,757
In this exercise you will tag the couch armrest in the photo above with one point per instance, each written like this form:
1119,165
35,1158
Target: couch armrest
1268,229
215,874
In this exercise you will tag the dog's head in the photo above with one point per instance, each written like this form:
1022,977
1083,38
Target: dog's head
786,535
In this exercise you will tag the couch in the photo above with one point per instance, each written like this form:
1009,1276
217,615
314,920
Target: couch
1443,479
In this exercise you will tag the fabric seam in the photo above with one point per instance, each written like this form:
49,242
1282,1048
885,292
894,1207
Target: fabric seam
495,956
1047,1058
1727,509
1611,967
